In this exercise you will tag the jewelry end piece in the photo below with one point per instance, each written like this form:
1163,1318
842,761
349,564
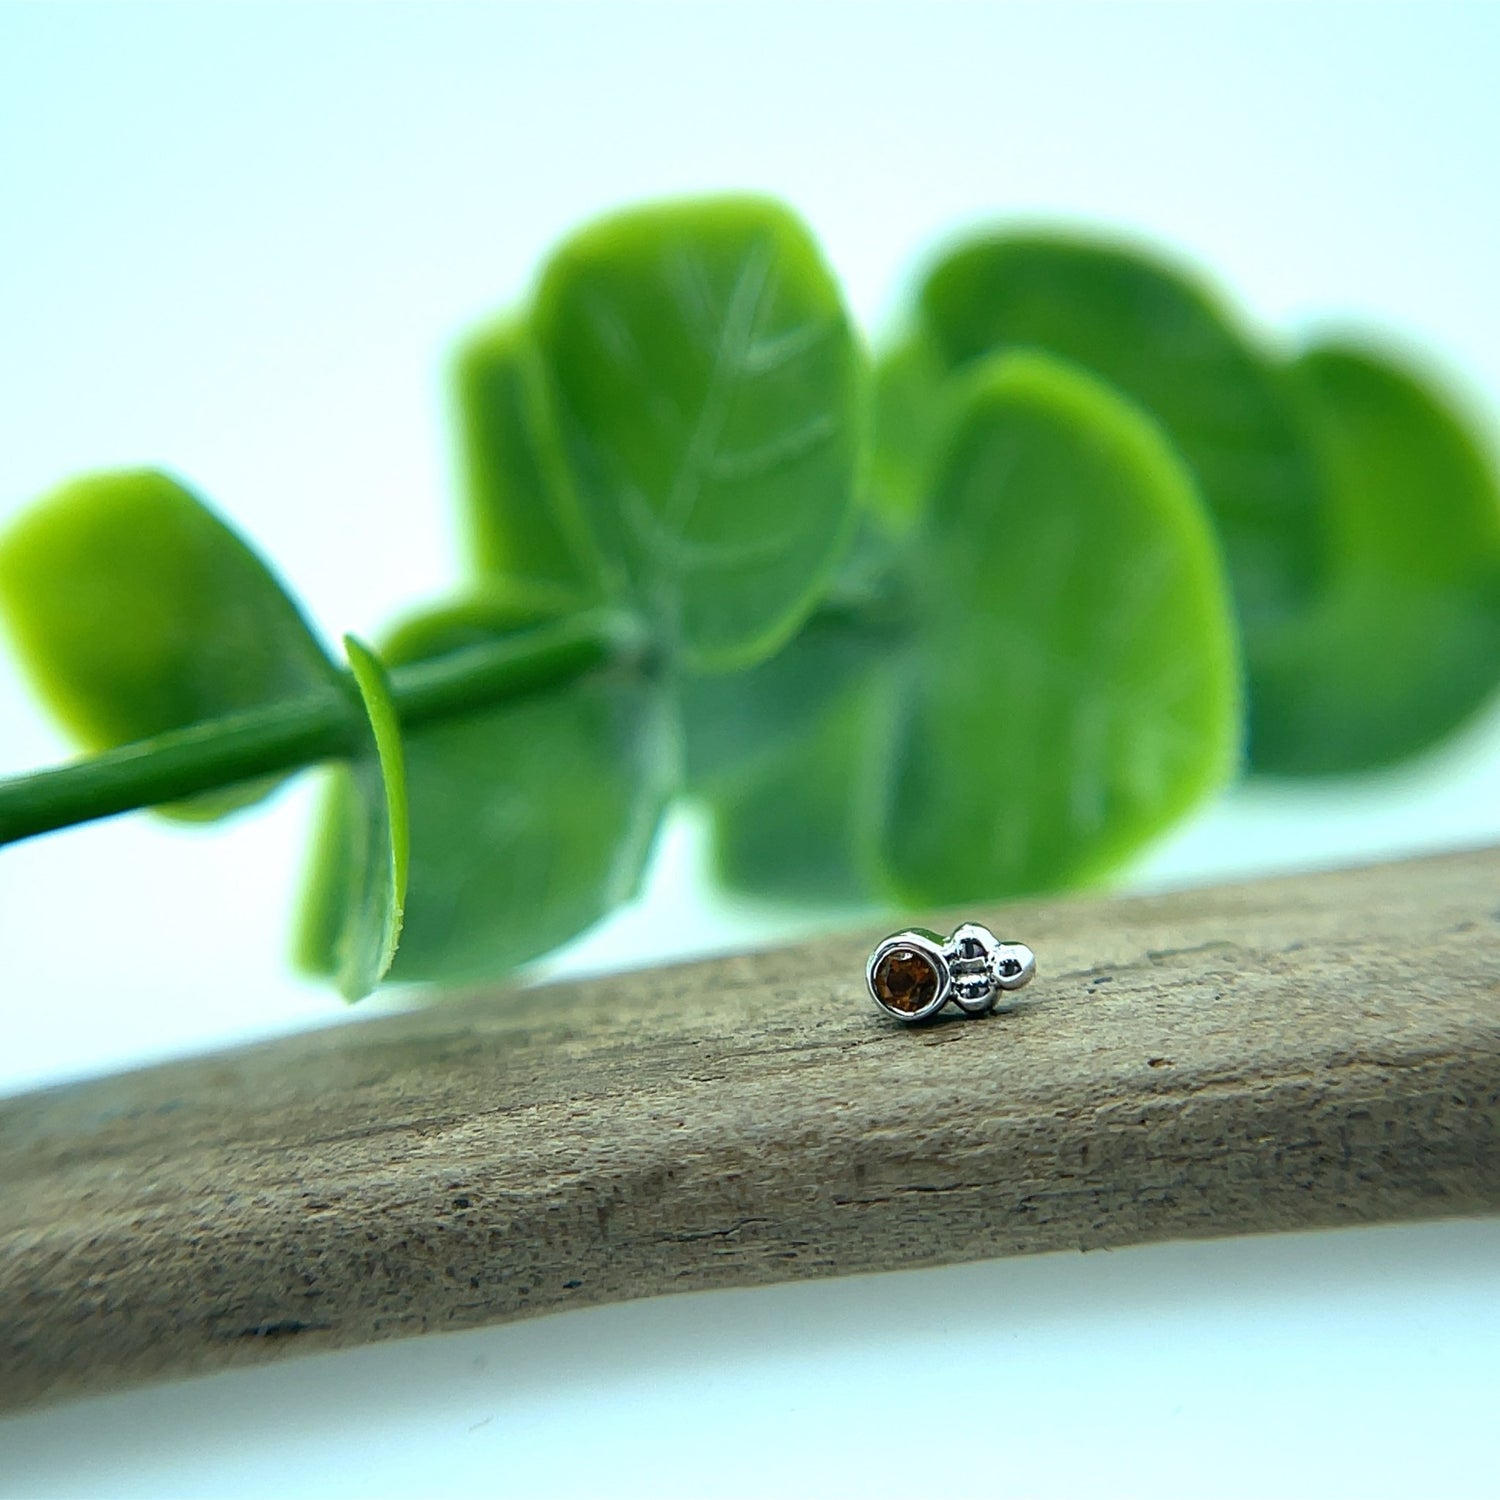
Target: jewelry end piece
913,974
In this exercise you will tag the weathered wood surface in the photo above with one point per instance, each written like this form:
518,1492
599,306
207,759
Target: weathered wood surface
1309,1051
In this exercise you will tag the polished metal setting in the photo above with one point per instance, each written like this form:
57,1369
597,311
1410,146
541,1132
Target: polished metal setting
913,974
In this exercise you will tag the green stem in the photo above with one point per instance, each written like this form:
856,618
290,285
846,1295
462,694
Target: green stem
287,736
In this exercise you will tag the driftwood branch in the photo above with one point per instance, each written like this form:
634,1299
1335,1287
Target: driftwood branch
1310,1051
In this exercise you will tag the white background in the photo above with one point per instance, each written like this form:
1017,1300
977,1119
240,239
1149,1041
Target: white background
239,242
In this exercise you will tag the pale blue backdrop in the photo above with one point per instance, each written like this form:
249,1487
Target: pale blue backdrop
240,241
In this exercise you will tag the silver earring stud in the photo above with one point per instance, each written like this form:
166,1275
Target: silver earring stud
913,974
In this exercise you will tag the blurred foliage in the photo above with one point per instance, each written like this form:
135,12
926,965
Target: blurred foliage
137,610
374,856
1403,643
1357,514
1061,681
530,819
980,617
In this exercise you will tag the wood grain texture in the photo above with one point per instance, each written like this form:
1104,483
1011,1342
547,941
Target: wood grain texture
1285,1054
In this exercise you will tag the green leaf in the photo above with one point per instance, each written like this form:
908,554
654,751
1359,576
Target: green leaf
523,520
529,824
378,851
1166,342
910,401
733,721
1405,645
1055,681
331,873
137,610
1075,686
775,752
529,821
771,752
709,397
474,619
798,822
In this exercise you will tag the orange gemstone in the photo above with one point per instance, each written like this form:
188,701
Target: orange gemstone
905,981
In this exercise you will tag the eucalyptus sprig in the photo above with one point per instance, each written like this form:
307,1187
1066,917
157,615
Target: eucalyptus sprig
980,620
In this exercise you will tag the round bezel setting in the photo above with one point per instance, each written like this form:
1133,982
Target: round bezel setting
919,944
